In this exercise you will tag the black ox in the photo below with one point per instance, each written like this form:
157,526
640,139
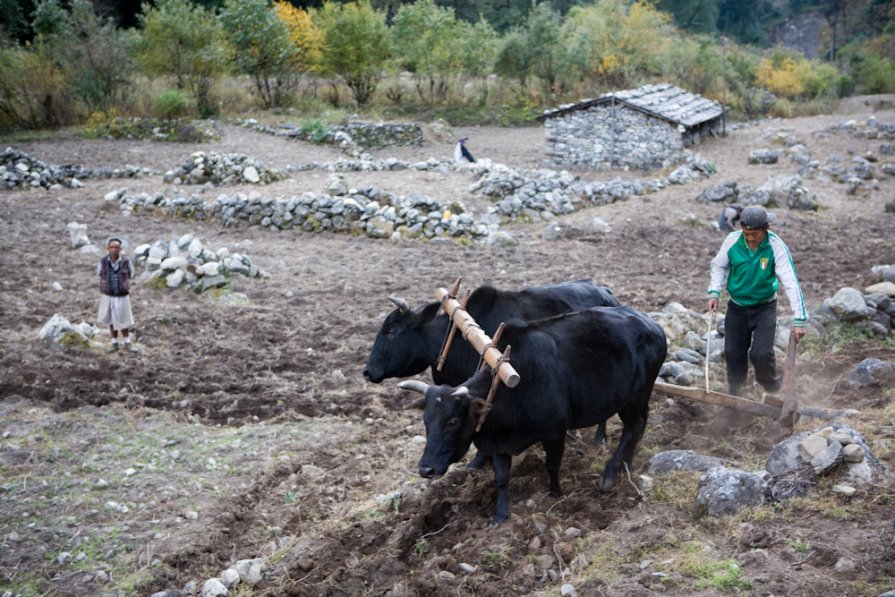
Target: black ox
577,369
409,341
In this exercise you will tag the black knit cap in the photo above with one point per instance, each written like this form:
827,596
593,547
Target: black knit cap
755,216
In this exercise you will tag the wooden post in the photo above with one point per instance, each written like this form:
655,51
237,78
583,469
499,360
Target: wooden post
789,412
477,338
450,337
495,381
494,342
455,290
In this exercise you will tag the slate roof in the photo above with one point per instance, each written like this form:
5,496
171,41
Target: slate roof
662,100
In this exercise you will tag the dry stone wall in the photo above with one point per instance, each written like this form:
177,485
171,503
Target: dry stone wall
612,137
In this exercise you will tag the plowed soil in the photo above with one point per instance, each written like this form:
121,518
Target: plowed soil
248,431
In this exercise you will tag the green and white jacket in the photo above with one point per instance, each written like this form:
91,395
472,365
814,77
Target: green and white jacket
751,276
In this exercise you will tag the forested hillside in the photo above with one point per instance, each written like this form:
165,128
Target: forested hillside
74,61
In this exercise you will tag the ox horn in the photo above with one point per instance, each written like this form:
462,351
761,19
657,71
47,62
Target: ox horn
415,385
460,392
403,305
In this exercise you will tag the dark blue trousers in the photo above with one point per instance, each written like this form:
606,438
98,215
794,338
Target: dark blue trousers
749,332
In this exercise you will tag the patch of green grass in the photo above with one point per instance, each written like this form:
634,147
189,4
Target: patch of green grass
495,560
421,548
676,489
800,546
724,575
841,336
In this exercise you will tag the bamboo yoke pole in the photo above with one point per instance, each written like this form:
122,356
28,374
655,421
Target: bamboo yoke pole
477,338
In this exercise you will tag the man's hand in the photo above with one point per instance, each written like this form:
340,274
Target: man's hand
798,333
713,304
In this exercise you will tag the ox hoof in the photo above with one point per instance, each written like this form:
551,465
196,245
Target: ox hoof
599,440
497,520
604,484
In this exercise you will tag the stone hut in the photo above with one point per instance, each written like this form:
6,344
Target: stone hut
642,128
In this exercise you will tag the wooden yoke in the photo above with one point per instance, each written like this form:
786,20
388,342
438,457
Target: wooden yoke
477,338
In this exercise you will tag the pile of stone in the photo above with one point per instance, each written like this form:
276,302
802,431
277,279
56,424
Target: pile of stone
791,470
788,191
868,129
20,170
60,331
785,191
822,452
524,193
367,211
726,192
187,263
689,344
872,310
244,572
856,175
220,170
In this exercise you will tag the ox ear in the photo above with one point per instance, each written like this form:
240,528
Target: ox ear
428,312
418,404
417,386
402,305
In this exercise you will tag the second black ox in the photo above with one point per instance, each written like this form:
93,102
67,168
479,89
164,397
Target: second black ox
410,340
577,369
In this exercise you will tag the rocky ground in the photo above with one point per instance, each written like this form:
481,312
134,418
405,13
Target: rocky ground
244,429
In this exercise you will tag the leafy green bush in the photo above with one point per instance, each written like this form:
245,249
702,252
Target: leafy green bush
521,111
171,104
782,108
875,74
315,129
33,89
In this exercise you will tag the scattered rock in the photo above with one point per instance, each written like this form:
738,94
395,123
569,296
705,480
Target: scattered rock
682,460
724,491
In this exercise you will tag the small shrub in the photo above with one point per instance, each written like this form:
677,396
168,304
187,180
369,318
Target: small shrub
782,108
521,111
106,123
171,104
315,130
800,546
421,548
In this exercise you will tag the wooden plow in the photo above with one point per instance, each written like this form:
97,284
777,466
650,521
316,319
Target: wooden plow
786,412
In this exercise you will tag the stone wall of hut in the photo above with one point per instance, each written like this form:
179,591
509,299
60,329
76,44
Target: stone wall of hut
609,136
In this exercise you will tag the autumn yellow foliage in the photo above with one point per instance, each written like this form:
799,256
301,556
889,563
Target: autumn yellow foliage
306,36
786,78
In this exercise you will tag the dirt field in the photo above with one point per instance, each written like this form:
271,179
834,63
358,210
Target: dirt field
248,431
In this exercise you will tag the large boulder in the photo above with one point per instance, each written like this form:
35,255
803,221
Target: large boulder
873,372
848,304
724,491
